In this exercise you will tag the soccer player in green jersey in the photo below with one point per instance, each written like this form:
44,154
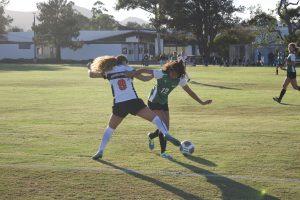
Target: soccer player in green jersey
172,75
291,72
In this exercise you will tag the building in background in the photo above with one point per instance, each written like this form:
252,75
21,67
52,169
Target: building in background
132,43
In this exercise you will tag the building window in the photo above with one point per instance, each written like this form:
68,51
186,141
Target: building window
130,52
24,46
124,51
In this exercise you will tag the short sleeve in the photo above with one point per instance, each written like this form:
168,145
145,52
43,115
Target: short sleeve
130,68
293,57
158,74
183,82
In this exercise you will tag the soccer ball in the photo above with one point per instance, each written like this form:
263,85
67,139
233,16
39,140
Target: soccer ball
187,148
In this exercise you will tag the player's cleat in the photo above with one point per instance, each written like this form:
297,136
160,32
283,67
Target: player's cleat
97,156
166,156
151,142
277,99
173,140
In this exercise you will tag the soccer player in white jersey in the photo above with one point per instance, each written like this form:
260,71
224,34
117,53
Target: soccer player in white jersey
291,72
126,100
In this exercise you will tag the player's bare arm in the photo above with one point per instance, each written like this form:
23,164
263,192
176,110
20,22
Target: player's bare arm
192,94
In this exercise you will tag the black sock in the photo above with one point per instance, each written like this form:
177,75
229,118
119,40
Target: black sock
282,93
163,142
154,134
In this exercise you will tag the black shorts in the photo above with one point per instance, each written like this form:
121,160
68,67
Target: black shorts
133,106
158,106
292,75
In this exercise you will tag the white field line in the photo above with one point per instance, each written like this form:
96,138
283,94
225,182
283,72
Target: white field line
114,171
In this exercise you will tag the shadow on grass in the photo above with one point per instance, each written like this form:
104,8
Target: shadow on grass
176,191
288,104
201,161
230,189
28,67
215,86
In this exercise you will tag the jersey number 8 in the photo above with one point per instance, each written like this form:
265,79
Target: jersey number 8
122,84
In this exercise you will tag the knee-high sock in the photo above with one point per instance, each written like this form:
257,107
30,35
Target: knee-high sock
164,130
163,143
105,139
154,134
160,125
282,93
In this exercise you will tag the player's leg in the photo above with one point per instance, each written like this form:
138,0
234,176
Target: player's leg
295,84
150,116
283,91
114,122
162,140
156,133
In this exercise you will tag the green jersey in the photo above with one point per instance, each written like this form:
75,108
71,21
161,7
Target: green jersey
291,68
165,85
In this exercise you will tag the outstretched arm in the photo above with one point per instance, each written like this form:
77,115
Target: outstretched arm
144,78
138,74
192,94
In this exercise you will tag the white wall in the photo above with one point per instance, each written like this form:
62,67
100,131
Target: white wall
132,39
12,51
91,51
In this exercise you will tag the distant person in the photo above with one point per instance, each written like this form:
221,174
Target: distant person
271,58
291,72
161,60
174,56
146,60
182,57
259,56
279,61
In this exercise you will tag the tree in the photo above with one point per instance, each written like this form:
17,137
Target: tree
133,26
266,29
83,22
204,18
152,6
15,29
59,25
290,15
102,21
4,19
236,35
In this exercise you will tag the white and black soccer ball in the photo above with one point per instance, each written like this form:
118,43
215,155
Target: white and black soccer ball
187,148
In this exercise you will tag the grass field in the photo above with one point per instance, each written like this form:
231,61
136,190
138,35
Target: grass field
52,118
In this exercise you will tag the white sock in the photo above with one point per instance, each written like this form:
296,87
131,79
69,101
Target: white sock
160,125
105,139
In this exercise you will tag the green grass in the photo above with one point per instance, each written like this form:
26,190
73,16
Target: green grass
52,118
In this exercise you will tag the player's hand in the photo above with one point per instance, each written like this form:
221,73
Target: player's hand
207,102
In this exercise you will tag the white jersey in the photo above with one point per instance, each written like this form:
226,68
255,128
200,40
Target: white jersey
122,87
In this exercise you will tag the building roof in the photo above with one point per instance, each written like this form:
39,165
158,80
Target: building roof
84,35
